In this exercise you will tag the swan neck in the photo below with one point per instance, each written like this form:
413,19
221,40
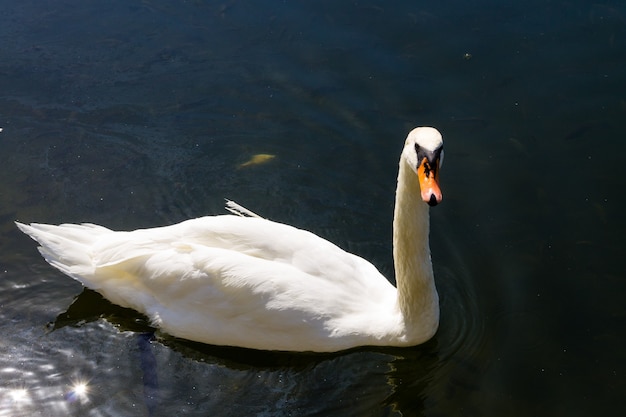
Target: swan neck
417,295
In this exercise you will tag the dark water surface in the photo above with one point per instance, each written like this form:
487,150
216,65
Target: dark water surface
143,113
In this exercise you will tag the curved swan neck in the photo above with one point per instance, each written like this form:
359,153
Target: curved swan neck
417,295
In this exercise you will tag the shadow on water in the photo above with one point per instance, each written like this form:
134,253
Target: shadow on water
90,306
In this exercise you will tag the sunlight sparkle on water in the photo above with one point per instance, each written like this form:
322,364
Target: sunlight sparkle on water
78,391
19,395
14,401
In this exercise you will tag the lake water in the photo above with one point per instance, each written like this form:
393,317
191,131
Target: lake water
143,113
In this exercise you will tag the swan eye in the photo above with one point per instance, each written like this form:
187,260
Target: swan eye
431,156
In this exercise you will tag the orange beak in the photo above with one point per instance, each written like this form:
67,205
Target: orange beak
427,174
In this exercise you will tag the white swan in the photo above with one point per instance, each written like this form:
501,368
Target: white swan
254,283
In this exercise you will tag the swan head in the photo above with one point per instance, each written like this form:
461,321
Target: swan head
423,151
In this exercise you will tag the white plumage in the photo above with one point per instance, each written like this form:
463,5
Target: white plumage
251,282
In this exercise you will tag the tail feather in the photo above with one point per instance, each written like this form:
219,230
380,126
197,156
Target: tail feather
240,210
67,247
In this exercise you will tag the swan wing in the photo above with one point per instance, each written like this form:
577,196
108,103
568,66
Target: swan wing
223,297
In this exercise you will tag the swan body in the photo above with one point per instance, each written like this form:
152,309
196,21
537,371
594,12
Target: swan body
254,283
